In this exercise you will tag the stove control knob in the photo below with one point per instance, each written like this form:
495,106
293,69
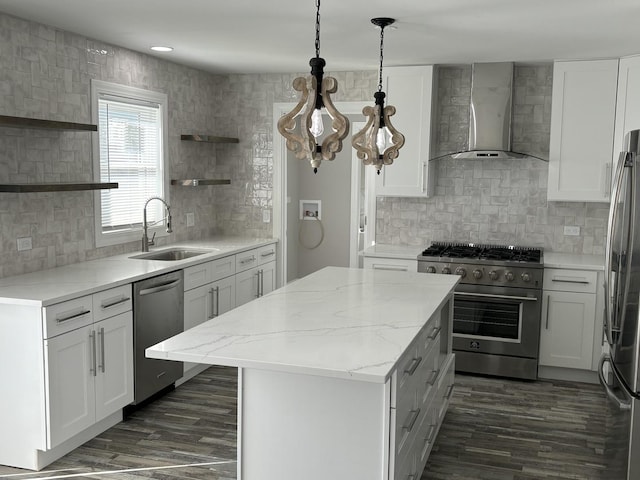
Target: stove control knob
477,274
431,269
446,270
526,277
461,271
493,275
509,276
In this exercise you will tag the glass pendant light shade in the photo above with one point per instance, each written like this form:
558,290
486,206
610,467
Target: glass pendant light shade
315,98
378,142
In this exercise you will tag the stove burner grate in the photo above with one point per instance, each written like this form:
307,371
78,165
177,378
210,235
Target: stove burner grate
484,252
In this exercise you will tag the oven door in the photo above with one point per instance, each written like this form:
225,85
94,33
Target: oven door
497,320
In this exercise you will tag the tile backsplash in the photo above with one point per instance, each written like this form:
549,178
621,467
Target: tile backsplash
46,73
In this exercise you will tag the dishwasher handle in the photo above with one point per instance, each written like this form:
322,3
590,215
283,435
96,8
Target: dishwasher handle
160,288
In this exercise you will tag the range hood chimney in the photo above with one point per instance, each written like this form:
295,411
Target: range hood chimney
490,112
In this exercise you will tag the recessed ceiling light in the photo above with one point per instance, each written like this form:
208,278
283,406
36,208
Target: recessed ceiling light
162,49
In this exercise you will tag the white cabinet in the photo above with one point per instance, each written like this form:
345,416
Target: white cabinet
383,263
69,375
256,273
568,318
210,290
628,105
409,89
583,115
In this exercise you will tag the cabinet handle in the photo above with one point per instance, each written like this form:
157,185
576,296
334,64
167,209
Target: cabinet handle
247,260
394,268
257,274
607,179
267,254
92,337
434,333
423,182
101,336
546,326
104,306
570,280
447,397
216,292
428,440
211,303
413,416
434,375
413,366
71,317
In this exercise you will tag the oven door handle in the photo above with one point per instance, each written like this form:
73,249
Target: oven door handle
490,295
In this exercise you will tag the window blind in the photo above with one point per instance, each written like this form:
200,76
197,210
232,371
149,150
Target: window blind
130,154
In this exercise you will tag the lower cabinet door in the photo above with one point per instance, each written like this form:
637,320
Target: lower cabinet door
71,368
268,277
246,286
114,379
224,292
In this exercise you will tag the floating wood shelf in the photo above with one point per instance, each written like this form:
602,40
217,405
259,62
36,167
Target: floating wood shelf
23,122
55,187
209,139
199,182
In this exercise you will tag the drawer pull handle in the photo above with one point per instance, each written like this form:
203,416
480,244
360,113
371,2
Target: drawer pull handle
71,317
267,254
428,441
413,416
434,376
434,333
248,259
113,304
101,336
395,268
449,393
414,366
569,280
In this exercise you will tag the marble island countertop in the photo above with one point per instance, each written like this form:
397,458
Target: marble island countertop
337,322
55,285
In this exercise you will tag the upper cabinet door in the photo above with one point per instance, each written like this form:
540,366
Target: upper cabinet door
409,89
628,107
583,110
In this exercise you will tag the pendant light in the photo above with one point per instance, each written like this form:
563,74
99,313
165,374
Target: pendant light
378,142
315,97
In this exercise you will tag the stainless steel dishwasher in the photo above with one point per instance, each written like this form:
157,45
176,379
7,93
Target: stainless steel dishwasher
158,313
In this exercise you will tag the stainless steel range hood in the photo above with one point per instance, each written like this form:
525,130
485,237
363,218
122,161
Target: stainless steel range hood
490,112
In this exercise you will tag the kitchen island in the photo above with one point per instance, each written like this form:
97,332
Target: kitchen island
343,374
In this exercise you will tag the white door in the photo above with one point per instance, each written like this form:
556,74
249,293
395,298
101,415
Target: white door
114,379
70,383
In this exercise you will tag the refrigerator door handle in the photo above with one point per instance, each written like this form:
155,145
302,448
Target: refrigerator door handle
613,213
622,404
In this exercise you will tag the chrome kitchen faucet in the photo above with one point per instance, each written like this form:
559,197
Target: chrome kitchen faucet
146,243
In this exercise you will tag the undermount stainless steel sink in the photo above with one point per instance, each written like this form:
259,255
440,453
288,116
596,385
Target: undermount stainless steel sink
171,254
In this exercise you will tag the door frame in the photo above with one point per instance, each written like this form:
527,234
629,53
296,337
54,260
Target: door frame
279,198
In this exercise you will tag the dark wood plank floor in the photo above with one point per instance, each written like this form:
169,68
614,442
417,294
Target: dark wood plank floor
495,429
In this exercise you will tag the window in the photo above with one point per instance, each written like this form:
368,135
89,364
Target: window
130,150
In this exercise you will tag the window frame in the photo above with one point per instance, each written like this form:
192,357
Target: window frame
99,89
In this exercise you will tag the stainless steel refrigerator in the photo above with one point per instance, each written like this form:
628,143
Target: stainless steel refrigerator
619,369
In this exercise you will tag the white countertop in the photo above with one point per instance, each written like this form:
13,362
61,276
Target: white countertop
393,251
573,260
55,285
337,322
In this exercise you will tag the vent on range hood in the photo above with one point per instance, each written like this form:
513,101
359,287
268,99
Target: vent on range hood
490,112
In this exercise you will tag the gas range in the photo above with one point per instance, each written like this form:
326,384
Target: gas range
479,264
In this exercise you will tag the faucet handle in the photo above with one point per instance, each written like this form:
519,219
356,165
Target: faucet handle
153,237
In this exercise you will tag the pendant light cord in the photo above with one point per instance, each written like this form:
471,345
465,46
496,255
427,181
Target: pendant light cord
381,57
317,28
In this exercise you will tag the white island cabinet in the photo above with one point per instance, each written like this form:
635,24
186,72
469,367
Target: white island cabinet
343,374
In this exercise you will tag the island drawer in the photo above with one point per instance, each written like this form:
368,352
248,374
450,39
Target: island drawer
66,316
112,302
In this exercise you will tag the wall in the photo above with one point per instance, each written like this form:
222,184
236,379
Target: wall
493,201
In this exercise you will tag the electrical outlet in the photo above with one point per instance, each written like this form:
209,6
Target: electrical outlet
191,221
266,216
571,230
24,243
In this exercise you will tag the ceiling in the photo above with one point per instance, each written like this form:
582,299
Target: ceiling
251,36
